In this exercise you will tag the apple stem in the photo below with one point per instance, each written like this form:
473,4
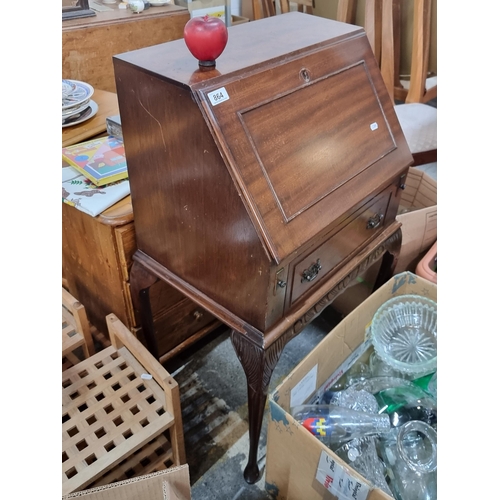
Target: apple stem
205,17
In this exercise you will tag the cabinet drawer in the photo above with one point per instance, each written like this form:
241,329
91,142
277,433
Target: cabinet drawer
179,323
352,235
126,245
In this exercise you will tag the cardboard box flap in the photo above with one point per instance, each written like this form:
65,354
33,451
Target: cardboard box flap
420,190
169,484
418,217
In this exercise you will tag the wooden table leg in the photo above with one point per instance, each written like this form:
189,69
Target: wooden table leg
258,365
141,281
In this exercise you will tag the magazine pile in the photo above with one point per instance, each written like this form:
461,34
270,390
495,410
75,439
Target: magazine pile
96,176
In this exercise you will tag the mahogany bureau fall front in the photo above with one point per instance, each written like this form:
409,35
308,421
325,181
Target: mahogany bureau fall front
262,206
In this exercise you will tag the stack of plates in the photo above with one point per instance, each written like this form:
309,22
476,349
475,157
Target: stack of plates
77,105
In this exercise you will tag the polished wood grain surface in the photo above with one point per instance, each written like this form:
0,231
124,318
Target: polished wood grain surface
89,44
248,45
117,15
262,206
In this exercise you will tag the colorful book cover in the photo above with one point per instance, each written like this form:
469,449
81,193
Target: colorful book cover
79,192
101,160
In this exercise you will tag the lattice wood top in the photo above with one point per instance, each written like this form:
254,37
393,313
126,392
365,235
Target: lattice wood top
152,457
109,411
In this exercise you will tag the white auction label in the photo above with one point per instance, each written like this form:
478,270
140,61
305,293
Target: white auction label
304,388
218,96
338,481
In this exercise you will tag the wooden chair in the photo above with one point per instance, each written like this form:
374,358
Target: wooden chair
263,8
418,120
346,9
421,86
305,6
75,329
119,407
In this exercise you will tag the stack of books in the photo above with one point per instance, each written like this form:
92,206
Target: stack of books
96,175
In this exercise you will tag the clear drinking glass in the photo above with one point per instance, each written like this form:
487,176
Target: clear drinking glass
410,456
361,455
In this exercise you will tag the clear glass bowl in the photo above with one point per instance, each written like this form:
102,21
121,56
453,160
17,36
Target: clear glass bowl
404,334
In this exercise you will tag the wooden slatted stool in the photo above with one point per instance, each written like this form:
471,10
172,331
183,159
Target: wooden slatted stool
155,456
115,403
75,330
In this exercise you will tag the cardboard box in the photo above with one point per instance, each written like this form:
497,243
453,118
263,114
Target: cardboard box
418,216
238,20
168,484
215,8
298,465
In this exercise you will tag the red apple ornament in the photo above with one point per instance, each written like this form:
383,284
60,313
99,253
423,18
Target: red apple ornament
206,38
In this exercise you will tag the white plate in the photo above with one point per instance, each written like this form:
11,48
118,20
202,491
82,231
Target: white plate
67,113
93,108
67,87
159,3
82,92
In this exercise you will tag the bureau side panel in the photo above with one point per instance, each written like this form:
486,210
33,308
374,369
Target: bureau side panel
188,214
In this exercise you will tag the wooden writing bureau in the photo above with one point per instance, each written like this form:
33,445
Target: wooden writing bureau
266,204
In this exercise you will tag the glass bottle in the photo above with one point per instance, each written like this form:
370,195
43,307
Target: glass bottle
410,456
406,403
334,424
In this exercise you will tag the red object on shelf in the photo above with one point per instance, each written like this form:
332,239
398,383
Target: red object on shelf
427,267
206,38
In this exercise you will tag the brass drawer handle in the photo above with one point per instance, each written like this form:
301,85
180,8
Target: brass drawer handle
311,273
375,221
197,315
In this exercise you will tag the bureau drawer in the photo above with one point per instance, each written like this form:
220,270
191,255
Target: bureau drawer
179,323
352,235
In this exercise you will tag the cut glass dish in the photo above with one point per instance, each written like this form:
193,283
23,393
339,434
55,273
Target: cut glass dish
404,334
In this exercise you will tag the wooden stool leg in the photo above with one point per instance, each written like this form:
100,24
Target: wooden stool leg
141,281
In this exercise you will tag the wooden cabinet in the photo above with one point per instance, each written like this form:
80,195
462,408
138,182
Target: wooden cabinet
97,257
89,44
264,186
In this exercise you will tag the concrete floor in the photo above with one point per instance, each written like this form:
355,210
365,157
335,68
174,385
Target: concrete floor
214,407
